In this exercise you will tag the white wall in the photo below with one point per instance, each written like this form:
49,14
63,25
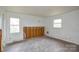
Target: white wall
0,21
25,20
31,21
69,31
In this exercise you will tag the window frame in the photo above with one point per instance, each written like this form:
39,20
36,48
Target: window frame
13,25
59,23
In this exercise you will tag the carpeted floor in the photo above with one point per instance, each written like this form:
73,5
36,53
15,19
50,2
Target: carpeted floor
41,44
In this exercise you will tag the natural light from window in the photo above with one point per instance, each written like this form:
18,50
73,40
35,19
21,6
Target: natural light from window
14,25
57,23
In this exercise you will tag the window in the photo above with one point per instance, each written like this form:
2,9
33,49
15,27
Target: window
57,23
14,25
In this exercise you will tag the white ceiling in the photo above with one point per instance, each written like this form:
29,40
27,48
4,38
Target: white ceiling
41,10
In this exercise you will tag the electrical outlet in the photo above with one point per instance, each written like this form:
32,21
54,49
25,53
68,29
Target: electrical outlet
47,32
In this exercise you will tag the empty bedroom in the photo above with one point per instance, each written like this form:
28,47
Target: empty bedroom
39,28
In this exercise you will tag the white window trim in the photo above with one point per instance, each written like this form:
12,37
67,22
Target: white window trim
15,25
57,24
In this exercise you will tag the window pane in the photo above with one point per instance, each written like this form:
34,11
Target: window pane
14,29
14,21
57,21
57,25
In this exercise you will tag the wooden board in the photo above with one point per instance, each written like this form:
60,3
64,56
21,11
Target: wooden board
33,32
